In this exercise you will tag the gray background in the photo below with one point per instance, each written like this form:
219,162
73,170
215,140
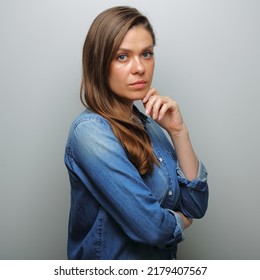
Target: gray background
207,60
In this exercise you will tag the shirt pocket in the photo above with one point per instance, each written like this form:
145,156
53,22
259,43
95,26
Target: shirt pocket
159,181
166,174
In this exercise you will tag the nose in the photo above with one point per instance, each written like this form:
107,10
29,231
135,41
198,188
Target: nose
137,66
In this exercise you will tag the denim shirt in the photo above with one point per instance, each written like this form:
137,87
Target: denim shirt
115,212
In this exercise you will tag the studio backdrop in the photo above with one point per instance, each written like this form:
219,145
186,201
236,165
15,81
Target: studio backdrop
207,59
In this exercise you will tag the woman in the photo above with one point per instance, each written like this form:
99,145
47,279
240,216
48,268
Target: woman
132,193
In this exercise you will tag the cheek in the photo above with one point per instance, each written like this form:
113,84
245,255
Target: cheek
152,67
115,80
118,76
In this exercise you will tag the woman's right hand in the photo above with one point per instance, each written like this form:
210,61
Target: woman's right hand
186,221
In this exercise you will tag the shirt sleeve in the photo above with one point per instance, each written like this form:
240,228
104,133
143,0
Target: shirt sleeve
194,193
97,158
180,229
201,176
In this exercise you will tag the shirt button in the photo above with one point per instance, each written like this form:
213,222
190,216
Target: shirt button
170,192
160,159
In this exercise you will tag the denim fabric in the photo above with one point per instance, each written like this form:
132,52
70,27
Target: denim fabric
115,212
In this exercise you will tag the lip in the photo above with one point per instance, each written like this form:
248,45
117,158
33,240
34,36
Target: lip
140,84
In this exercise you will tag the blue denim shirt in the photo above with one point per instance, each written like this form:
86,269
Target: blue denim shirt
115,212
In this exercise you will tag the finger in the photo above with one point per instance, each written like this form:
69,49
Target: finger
160,106
151,92
150,104
157,106
164,108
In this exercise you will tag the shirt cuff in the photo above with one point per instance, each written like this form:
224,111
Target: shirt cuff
201,176
179,230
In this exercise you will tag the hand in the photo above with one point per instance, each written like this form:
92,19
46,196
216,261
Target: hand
186,221
164,111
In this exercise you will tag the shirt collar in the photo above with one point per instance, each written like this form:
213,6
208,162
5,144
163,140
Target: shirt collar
143,118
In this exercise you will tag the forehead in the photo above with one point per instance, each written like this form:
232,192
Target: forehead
137,38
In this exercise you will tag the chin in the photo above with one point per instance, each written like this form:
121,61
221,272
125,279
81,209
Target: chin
140,95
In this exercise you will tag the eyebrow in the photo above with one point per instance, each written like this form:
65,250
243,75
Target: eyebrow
128,50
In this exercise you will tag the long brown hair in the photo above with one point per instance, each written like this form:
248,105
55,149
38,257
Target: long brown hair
102,42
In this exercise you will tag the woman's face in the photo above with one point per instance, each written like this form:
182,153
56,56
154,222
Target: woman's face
131,70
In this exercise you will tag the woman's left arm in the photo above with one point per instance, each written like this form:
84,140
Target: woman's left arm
166,113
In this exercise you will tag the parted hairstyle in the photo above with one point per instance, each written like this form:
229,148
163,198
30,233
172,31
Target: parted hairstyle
101,45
